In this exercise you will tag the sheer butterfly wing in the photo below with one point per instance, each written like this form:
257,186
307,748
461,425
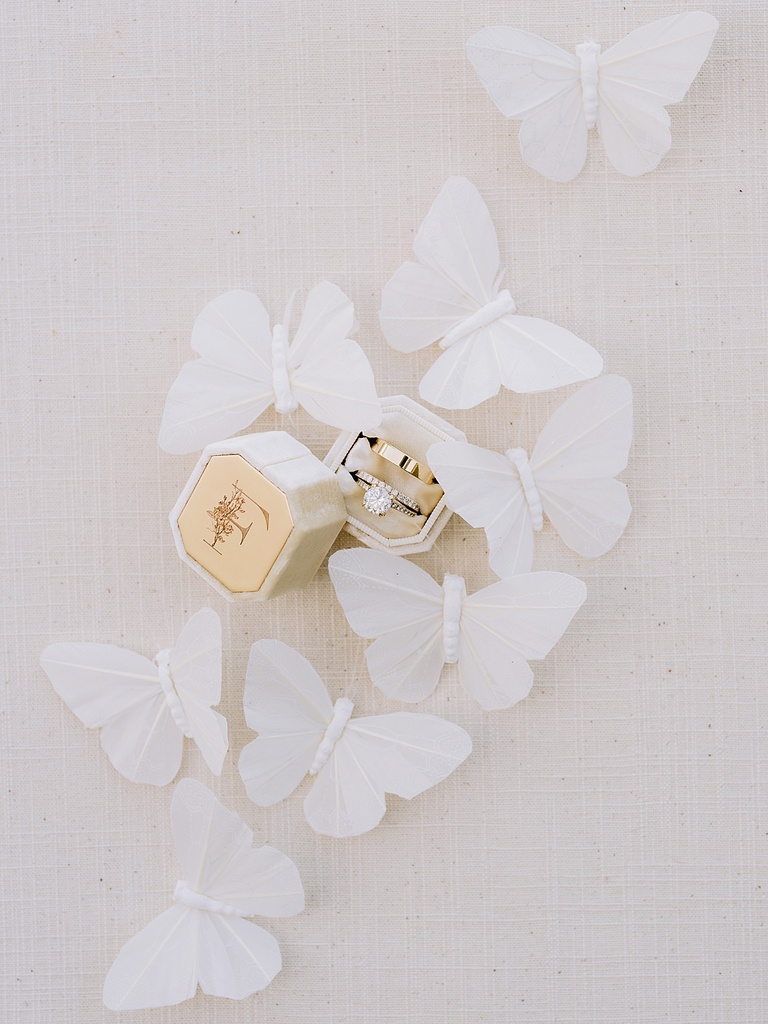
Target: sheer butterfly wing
330,374
522,353
118,691
508,624
553,139
217,858
164,963
484,488
393,601
531,79
457,274
237,957
458,240
401,753
420,305
286,702
652,67
225,390
584,444
196,673
159,965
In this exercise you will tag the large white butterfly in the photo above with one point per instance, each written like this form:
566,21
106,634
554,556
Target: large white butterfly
245,367
453,294
145,709
419,626
569,476
204,939
355,761
559,96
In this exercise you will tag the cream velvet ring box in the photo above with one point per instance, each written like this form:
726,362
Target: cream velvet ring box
407,428
258,516
260,512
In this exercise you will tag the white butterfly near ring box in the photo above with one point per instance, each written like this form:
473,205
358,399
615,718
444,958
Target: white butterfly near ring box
260,512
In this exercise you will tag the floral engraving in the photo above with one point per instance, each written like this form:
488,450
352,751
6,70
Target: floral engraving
227,512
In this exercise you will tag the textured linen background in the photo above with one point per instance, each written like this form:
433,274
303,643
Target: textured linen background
602,855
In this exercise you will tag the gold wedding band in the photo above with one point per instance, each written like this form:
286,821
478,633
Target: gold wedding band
396,457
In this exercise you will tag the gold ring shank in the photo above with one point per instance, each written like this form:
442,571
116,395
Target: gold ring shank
406,462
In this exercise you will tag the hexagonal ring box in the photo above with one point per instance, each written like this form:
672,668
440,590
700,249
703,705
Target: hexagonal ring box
258,515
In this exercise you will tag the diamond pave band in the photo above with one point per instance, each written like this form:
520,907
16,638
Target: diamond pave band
380,497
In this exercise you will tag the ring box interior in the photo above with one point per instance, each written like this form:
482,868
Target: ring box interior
412,429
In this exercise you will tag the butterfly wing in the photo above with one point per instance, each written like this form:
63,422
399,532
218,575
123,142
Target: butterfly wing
164,963
159,965
196,672
401,753
583,445
329,373
118,691
649,69
529,78
457,273
286,702
419,305
393,601
522,353
217,858
484,488
237,957
508,624
225,390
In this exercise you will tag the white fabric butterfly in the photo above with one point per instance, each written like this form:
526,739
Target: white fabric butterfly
452,294
246,367
420,626
145,709
356,762
204,939
569,476
559,96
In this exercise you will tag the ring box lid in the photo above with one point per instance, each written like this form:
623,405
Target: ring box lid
257,516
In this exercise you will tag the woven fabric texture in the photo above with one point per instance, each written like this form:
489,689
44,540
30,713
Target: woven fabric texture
602,857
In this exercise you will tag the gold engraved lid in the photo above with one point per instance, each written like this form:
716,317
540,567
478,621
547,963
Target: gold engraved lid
235,523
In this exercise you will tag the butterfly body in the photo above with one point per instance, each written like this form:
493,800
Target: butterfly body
588,53
284,398
623,91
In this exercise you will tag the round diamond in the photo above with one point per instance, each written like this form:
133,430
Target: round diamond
378,500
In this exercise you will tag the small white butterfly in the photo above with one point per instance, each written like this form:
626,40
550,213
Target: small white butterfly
355,761
145,709
453,294
559,96
420,626
569,476
204,939
246,367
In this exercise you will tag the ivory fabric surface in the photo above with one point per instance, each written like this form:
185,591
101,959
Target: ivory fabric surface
601,857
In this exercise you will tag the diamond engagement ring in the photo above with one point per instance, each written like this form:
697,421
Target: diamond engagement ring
380,497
